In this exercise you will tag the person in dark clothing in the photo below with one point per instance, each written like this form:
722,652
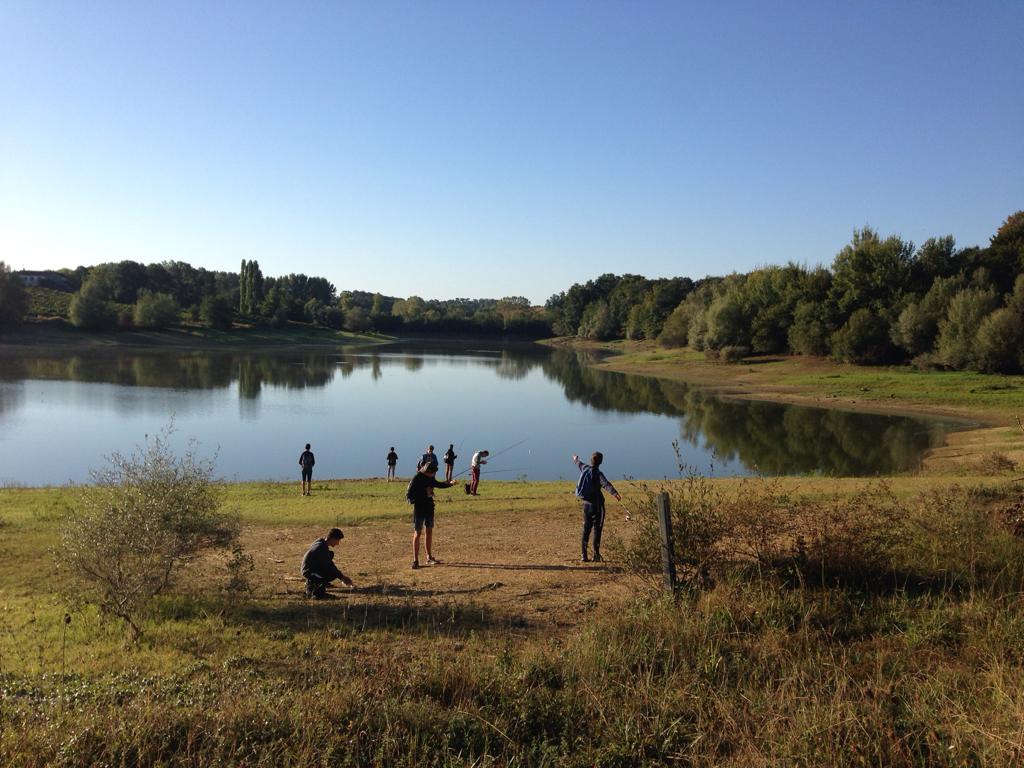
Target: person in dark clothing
306,461
428,459
588,488
449,462
420,494
318,568
392,460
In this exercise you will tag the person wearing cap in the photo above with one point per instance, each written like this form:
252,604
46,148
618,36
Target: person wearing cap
318,568
420,494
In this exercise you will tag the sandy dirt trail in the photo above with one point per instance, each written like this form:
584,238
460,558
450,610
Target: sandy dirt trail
525,570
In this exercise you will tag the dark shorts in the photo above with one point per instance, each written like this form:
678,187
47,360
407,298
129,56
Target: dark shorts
422,518
307,474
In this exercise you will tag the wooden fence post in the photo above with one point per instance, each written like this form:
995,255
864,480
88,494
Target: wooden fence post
668,565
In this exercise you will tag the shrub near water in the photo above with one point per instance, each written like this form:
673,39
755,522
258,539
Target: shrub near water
130,533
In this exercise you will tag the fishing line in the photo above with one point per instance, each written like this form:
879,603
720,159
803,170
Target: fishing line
493,456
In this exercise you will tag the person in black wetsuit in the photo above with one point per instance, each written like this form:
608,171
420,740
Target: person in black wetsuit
420,494
449,461
318,568
306,461
588,489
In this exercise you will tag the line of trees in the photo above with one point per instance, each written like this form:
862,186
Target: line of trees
882,301
128,294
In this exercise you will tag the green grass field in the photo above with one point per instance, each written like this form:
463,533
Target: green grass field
436,668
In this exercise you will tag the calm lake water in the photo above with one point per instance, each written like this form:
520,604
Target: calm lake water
61,415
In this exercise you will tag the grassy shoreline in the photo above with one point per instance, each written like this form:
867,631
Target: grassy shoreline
992,402
60,336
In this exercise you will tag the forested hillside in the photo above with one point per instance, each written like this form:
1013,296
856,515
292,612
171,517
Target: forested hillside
882,300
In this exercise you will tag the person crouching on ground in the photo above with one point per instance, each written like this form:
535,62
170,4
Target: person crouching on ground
318,568
420,495
588,488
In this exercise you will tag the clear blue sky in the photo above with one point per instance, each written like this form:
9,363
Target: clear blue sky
487,149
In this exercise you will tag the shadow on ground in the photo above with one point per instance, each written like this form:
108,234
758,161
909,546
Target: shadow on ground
375,608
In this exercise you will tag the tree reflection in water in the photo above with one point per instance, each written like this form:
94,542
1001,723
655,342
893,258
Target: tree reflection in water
770,438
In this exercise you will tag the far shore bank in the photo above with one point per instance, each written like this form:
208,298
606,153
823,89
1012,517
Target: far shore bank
990,403
61,336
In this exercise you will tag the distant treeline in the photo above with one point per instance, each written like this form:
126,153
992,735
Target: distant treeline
128,294
883,300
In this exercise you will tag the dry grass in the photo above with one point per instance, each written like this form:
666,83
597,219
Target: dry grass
836,622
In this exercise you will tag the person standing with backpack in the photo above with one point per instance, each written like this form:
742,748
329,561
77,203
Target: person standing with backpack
588,488
449,461
306,462
420,493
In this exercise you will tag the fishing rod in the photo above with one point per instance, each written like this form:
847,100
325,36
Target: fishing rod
494,456
494,471
506,450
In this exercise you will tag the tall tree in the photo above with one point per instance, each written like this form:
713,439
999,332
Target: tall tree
13,298
870,272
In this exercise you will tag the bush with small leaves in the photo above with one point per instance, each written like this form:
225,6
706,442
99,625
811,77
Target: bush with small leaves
999,344
91,308
129,534
863,339
155,310
216,312
734,354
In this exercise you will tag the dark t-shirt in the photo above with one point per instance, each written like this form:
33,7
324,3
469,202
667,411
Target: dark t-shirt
418,493
392,458
450,457
319,560
306,460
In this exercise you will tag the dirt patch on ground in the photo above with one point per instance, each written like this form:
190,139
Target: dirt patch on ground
526,571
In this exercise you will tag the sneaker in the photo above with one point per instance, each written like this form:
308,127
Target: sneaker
598,558
415,563
433,561
584,559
